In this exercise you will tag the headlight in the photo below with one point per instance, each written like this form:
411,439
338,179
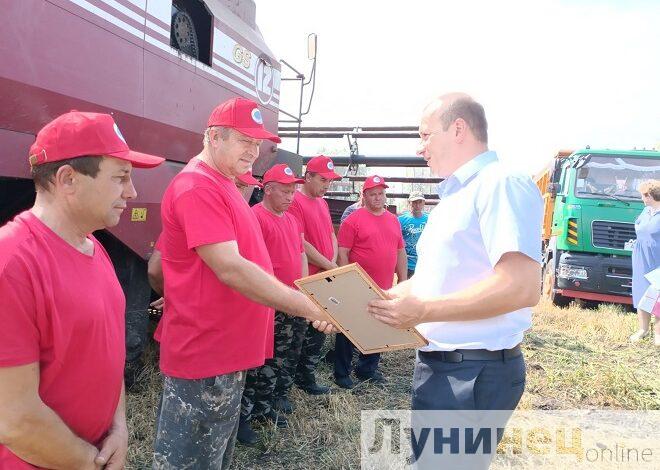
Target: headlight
572,272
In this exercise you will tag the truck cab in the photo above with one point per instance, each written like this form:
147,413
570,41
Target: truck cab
592,200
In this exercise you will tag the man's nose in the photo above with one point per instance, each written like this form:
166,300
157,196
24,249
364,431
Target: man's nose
254,151
129,190
421,149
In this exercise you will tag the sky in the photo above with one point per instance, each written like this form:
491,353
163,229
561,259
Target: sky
551,74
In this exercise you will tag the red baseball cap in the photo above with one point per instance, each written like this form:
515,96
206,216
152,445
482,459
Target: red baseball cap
247,178
244,116
281,174
78,134
374,182
323,166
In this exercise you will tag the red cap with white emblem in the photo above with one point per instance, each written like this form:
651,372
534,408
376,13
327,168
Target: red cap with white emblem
244,116
323,166
374,182
281,174
78,134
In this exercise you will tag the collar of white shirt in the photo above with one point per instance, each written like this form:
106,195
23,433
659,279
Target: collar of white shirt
466,172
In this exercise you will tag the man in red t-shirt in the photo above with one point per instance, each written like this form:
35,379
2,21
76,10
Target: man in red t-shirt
62,339
245,184
313,213
219,294
266,388
370,236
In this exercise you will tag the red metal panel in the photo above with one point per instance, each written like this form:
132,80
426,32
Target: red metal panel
97,14
140,235
244,79
14,155
132,6
26,109
58,56
615,299
66,54
180,60
172,94
245,42
157,21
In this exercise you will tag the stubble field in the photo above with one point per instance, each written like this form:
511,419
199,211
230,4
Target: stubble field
576,358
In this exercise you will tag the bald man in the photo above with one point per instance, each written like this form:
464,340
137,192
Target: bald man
478,272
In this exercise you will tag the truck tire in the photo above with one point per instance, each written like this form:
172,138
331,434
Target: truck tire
550,284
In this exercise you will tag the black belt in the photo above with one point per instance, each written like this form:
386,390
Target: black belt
461,355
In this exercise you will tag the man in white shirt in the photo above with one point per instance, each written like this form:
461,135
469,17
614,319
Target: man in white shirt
478,270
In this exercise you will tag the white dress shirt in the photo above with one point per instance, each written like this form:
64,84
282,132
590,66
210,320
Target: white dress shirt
485,211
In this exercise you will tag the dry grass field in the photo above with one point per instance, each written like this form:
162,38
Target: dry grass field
576,358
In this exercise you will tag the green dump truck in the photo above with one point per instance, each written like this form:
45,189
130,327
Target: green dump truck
591,203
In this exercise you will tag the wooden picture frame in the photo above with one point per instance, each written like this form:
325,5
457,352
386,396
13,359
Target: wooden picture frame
343,293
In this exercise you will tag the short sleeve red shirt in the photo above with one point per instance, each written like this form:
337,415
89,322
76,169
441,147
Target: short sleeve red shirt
283,237
209,328
313,214
373,241
65,310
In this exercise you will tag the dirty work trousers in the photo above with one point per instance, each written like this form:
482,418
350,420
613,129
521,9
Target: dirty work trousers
198,421
272,381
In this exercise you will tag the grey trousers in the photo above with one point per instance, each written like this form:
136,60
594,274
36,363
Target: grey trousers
198,421
468,385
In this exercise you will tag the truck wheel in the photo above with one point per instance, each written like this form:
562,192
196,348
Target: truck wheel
549,284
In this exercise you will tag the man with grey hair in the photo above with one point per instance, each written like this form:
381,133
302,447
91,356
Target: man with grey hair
219,294
478,273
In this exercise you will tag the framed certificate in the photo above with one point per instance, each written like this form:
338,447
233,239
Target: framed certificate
344,294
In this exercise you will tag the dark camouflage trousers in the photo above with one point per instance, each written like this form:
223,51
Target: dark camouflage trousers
274,379
310,356
197,423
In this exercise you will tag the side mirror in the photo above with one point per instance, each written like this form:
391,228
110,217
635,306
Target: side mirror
311,46
553,189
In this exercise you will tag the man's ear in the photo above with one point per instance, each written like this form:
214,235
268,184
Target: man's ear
66,179
214,137
461,129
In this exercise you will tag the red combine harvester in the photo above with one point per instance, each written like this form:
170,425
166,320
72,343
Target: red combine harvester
160,67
